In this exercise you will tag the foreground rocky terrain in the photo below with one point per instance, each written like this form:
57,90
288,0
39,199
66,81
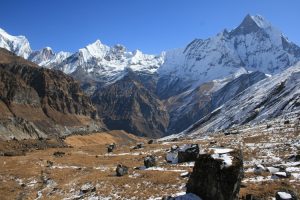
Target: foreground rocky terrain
84,169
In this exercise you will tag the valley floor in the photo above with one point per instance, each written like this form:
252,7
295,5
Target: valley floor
87,171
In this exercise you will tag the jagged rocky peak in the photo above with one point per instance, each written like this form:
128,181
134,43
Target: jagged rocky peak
46,57
119,48
251,24
41,55
259,27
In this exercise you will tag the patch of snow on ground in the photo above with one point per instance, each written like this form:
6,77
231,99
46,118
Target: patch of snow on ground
164,169
284,195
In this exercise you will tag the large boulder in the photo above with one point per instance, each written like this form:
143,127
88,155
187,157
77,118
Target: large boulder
138,146
217,176
294,158
58,154
281,175
150,141
259,169
87,187
121,170
185,153
188,152
149,161
111,147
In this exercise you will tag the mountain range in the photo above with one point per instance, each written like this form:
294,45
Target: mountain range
157,95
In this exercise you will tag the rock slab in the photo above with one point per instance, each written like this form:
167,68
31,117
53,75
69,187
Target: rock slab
211,180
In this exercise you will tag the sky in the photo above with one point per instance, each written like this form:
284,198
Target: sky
151,26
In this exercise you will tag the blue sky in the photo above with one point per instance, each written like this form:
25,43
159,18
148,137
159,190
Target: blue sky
149,25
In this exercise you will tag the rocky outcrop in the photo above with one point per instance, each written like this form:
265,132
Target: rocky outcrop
128,105
185,153
37,102
217,176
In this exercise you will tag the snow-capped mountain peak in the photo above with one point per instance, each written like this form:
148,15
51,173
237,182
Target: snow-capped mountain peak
19,45
16,44
48,48
261,21
255,45
96,49
258,25
252,24
46,57
257,20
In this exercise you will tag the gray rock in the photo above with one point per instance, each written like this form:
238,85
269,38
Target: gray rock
188,153
58,154
189,196
111,147
88,187
139,146
49,163
212,180
149,161
121,170
294,158
281,175
251,197
259,169
185,153
151,141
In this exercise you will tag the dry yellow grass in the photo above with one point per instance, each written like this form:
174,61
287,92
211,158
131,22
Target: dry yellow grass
119,137
88,161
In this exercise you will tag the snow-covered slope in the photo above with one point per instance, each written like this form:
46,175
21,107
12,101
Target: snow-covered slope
254,45
188,107
16,44
21,47
270,98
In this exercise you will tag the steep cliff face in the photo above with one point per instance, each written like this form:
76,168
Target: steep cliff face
38,102
128,105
